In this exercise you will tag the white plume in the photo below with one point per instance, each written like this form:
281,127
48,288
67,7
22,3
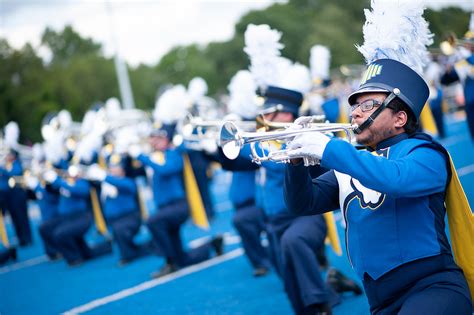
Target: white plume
319,62
12,133
242,89
38,152
88,145
172,105
297,78
112,107
65,119
125,137
262,45
54,148
197,88
88,122
396,29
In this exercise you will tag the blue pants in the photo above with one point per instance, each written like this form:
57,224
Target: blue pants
66,235
124,229
295,242
15,202
165,228
248,221
45,230
433,285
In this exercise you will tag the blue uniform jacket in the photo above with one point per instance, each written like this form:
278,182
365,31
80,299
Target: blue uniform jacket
392,199
75,197
242,188
125,200
270,178
48,202
167,177
6,172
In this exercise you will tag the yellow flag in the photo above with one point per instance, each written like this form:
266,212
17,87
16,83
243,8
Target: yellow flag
198,213
3,231
461,227
98,216
427,121
332,236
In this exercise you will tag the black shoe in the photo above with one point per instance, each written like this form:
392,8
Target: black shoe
123,262
341,283
55,257
165,270
76,263
12,253
218,245
25,243
260,272
318,309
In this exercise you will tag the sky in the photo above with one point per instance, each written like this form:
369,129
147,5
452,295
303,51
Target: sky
142,31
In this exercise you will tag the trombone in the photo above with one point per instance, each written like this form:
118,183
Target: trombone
232,139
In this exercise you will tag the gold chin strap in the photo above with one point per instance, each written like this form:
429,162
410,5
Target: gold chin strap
3,232
98,215
461,227
196,206
332,237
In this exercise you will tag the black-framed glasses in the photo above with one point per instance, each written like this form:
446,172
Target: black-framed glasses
366,105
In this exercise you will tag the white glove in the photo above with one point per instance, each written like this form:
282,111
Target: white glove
301,121
209,146
50,176
109,190
134,151
31,182
96,173
310,146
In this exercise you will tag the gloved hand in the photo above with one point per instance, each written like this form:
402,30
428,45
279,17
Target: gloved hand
209,146
96,173
31,182
309,146
134,151
50,176
109,190
301,121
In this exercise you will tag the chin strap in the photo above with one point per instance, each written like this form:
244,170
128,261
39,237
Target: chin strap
374,115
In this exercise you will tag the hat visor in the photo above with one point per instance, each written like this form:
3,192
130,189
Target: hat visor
369,89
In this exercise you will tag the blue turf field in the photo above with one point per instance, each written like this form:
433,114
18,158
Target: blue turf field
219,286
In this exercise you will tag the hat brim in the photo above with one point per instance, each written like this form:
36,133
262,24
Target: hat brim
368,89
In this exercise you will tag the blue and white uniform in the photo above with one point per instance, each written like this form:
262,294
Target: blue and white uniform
294,241
122,214
172,209
393,204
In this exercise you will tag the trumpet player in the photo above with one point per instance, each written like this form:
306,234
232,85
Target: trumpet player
120,207
463,71
66,235
392,195
167,166
294,241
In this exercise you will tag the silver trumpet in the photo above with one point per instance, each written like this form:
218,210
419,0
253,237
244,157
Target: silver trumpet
232,139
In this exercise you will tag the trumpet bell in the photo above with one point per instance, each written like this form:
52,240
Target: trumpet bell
230,140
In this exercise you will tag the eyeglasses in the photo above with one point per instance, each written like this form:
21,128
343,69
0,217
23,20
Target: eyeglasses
366,106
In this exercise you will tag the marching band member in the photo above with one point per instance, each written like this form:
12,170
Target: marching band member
166,164
67,235
248,218
294,241
200,162
14,199
392,195
463,71
120,208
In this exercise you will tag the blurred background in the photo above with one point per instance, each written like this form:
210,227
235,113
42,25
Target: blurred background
64,54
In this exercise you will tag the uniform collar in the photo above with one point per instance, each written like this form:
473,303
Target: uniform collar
391,141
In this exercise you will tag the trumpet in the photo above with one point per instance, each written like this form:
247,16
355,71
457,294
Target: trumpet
232,140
